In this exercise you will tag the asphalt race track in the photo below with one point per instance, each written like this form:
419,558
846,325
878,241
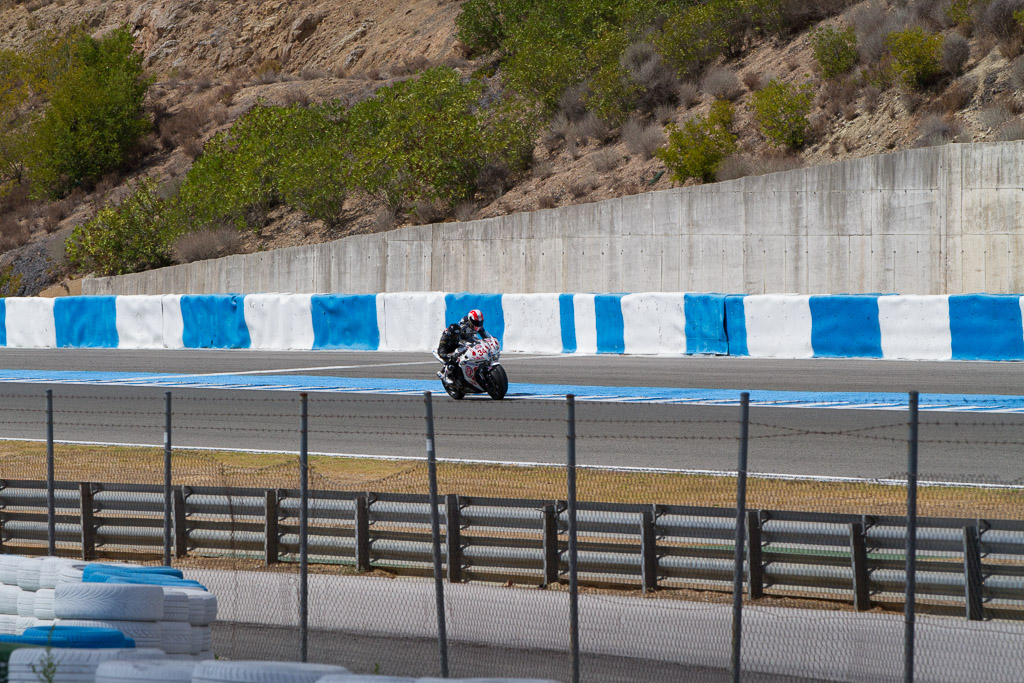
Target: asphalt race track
813,435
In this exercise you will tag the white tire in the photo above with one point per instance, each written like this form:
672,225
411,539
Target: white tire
28,573
146,634
486,680
9,599
218,671
48,571
145,670
175,606
70,572
202,608
26,604
118,601
202,638
44,604
7,624
9,569
73,664
176,638
22,623
366,678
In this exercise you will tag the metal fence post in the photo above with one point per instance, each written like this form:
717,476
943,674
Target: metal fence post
271,529
549,543
303,527
87,513
51,503
911,590
755,564
741,504
574,607
859,566
362,533
167,479
180,522
974,582
453,536
435,537
648,552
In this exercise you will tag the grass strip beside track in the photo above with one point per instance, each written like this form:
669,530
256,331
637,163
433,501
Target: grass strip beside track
27,460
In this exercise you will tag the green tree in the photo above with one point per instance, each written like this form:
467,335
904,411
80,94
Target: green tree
233,182
780,110
418,140
126,238
700,33
697,149
314,174
95,115
916,56
835,49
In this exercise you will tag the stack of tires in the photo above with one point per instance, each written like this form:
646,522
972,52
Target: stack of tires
65,600
59,665
27,591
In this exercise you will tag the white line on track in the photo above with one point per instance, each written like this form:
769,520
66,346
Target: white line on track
470,461
314,368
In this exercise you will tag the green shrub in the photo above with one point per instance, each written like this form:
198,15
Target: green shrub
697,149
94,118
916,56
483,25
418,140
700,33
611,92
313,174
233,181
124,239
781,110
835,49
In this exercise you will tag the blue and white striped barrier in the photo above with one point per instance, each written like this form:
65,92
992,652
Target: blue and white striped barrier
967,327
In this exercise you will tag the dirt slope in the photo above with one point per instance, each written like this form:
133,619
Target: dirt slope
213,60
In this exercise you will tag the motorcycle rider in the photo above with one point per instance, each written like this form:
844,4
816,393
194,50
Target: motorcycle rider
466,330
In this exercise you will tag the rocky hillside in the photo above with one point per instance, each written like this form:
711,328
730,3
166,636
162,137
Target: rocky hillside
213,61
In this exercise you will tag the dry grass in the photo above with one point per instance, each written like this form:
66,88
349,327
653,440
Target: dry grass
642,139
206,244
938,130
958,95
209,468
721,83
605,160
688,95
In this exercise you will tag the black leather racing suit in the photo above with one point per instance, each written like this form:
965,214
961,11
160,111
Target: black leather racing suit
452,336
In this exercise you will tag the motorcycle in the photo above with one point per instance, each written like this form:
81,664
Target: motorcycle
478,372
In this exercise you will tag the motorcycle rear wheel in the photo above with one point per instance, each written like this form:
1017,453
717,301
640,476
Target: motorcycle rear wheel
497,383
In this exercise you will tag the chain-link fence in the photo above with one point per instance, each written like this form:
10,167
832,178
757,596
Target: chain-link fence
595,541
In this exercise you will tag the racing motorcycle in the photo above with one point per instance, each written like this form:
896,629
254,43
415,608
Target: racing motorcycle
478,371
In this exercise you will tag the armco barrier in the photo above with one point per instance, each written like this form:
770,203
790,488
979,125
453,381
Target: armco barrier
960,327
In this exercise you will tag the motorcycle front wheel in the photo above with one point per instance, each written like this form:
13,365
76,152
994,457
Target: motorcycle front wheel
455,392
497,383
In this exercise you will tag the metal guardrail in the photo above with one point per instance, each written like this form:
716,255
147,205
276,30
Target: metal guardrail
971,567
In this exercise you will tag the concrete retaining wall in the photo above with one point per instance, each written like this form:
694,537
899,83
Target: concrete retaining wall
941,220
968,327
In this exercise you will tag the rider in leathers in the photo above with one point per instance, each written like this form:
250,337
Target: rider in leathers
465,330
